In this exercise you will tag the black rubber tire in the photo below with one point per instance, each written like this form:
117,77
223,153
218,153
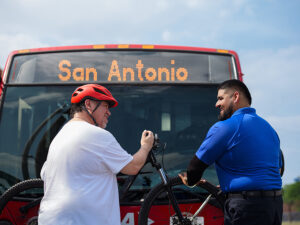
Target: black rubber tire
18,188
217,201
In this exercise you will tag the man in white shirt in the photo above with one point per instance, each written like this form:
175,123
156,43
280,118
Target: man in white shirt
79,174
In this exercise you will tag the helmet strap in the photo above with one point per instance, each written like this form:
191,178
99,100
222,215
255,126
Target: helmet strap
99,103
96,124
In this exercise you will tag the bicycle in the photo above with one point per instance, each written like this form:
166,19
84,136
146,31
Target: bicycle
179,203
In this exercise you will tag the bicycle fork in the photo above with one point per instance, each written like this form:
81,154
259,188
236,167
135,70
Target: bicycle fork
174,202
172,198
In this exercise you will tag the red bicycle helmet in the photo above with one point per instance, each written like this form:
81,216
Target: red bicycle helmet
95,92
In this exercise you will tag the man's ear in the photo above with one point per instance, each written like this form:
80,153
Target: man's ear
88,105
236,97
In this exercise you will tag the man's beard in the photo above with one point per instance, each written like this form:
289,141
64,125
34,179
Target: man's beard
226,113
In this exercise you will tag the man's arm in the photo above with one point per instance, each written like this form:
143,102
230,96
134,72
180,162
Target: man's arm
194,172
140,157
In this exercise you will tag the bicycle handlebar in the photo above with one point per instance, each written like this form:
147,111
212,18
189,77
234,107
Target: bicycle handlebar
156,143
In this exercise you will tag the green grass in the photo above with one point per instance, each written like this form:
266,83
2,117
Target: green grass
292,223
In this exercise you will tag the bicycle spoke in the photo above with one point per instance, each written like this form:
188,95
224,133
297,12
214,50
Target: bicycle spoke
202,206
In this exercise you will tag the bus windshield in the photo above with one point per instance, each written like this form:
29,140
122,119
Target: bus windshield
172,93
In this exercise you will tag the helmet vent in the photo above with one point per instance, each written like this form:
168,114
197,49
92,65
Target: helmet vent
99,91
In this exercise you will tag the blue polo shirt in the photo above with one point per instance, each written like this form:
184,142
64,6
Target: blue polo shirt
246,152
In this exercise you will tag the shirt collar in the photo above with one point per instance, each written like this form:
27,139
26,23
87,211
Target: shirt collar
244,110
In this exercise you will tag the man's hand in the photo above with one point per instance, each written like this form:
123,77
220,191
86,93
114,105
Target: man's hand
147,140
183,177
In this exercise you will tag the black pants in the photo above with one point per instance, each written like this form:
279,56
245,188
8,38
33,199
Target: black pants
253,211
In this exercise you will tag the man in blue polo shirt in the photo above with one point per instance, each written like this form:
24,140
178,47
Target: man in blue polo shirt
246,153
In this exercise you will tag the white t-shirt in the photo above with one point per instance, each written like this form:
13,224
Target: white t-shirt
79,176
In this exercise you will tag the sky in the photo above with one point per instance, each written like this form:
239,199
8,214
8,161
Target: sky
264,33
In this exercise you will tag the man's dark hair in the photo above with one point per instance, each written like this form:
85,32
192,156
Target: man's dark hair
79,107
76,107
238,86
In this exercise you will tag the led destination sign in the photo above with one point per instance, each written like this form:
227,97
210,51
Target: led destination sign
122,67
137,73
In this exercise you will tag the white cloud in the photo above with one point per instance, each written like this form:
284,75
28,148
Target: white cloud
166,35
162,5
292,165
9,43
272,76
217,6
289,124
191,22
196,3
288,129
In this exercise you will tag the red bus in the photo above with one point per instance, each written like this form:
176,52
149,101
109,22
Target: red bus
170,90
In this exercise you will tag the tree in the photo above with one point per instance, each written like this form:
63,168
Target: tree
291,195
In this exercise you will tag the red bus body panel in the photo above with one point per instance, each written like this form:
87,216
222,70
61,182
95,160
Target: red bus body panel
129,214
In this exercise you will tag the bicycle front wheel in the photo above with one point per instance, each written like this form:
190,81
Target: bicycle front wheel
157,208
26,196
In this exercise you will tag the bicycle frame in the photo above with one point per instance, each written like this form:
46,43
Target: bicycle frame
171,196
165,180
